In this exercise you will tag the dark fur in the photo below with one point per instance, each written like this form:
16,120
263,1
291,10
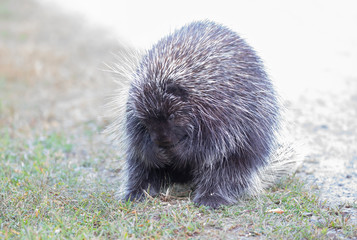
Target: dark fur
200,110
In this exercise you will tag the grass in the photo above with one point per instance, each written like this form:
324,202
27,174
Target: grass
45,194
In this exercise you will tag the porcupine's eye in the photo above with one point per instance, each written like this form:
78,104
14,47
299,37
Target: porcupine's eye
177,91
171,117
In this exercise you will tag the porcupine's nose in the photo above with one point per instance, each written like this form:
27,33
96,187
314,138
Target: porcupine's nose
160,138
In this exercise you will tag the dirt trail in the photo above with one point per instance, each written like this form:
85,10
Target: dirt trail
50,80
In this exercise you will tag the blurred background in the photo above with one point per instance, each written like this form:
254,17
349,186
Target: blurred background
304,44
53,55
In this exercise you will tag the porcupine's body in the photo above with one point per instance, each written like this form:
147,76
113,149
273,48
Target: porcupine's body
202,110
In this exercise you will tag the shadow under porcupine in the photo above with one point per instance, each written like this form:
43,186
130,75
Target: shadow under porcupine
200,109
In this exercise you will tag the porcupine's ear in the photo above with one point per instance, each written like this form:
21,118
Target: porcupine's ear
177,90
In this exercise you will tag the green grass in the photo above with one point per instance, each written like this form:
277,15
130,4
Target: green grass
45,194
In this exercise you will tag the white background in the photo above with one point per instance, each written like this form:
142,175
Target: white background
306,45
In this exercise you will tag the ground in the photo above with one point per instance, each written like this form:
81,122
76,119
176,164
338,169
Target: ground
53,79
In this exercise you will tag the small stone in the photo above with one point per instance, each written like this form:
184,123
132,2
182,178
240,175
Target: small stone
314,219
331,234
307,214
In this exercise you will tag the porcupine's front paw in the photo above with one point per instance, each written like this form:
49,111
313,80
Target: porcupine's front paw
211,200
140,194
137,195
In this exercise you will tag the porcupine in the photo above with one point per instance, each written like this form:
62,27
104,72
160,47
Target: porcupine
200,109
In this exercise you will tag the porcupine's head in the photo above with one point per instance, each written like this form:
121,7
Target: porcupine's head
159,122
